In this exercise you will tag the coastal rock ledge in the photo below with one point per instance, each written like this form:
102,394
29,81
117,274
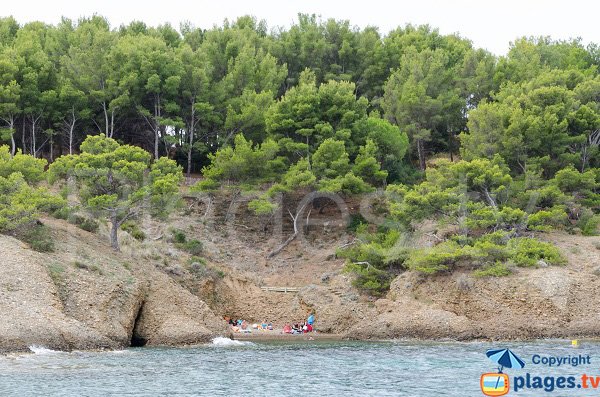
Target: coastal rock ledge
86,297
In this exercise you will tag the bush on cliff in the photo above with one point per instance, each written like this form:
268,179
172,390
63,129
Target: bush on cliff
119,182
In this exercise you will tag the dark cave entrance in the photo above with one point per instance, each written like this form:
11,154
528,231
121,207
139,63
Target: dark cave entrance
136,339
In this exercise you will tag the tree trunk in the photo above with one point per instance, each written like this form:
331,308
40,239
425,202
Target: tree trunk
592,140
13,144
112,123
156,125
23,138
105,119
489,198
421,152
191,141
293,236
51,148
450,143
33,147
114,229
71,139
71,130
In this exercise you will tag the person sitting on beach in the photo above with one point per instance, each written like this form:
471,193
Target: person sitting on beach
270,326
264,325
287,329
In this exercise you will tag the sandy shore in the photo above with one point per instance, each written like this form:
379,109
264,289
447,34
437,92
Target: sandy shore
280,336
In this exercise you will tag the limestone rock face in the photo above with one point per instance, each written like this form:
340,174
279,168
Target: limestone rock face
171,315
83,296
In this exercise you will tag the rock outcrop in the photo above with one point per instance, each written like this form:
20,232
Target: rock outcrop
84,296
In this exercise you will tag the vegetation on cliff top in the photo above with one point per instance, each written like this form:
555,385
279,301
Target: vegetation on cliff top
489,149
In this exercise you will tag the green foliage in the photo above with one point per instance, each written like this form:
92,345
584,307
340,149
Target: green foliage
85,223
366,165
356,222
588,223
179,236
243,163
330,160
495,270
440,258
528,252
285,111
30,168
528,114
487,253
21,204
375,261
118,182
134,230
38,237
193,247
261,206
370,280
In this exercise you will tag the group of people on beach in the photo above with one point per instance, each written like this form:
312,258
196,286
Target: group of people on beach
300,328
242,326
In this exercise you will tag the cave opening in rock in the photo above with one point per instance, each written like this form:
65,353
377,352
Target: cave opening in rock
136,339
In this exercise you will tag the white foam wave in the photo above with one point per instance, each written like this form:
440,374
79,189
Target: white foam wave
42,350
221,341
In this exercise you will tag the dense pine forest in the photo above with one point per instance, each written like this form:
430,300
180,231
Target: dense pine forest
492,148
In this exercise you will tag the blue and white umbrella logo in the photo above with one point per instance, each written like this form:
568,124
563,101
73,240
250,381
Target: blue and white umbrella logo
505,358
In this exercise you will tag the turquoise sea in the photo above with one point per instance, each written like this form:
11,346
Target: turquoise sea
303,368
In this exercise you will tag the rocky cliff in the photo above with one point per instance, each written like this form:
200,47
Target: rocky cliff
85,296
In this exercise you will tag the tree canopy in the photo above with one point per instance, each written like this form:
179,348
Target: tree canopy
119,182
495,148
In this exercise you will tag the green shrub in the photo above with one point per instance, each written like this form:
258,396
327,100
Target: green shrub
179,236
87,224
486,252
528,251
194,247
356,220
134,230
63,213
546,220
38,237
197,259
262,206
369,279
496,270
588,223
436,259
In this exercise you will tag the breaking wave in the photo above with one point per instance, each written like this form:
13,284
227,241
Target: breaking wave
221,341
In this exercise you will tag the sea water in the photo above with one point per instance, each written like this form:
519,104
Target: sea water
285,368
